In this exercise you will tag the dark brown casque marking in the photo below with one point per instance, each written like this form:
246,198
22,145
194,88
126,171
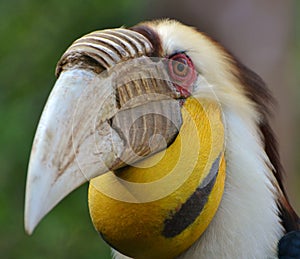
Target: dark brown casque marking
192,208
152,36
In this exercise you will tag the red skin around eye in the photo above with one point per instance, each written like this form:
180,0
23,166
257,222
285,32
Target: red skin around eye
182,81
183,91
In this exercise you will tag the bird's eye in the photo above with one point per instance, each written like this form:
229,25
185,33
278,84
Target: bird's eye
182,72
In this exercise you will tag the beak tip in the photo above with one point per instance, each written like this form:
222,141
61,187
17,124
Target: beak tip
31,219
29,225
36,205
28,230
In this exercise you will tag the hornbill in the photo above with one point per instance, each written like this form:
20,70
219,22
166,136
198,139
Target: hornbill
173,133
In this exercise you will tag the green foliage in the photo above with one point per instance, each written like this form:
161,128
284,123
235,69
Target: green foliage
34,34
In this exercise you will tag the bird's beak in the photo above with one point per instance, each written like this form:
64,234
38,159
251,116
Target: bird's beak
100,116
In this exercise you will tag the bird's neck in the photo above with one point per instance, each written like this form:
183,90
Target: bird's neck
246,224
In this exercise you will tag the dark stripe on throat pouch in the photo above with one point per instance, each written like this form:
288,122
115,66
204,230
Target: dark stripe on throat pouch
192,208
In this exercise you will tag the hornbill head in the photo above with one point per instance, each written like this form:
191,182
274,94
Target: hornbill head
172,132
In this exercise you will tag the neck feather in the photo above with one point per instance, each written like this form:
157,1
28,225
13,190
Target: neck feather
247,223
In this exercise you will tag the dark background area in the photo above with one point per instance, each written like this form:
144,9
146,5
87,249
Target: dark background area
265,35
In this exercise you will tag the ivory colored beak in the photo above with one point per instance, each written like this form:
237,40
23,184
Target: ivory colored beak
73,143
104,112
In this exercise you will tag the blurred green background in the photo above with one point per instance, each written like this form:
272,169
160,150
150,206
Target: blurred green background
34,34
